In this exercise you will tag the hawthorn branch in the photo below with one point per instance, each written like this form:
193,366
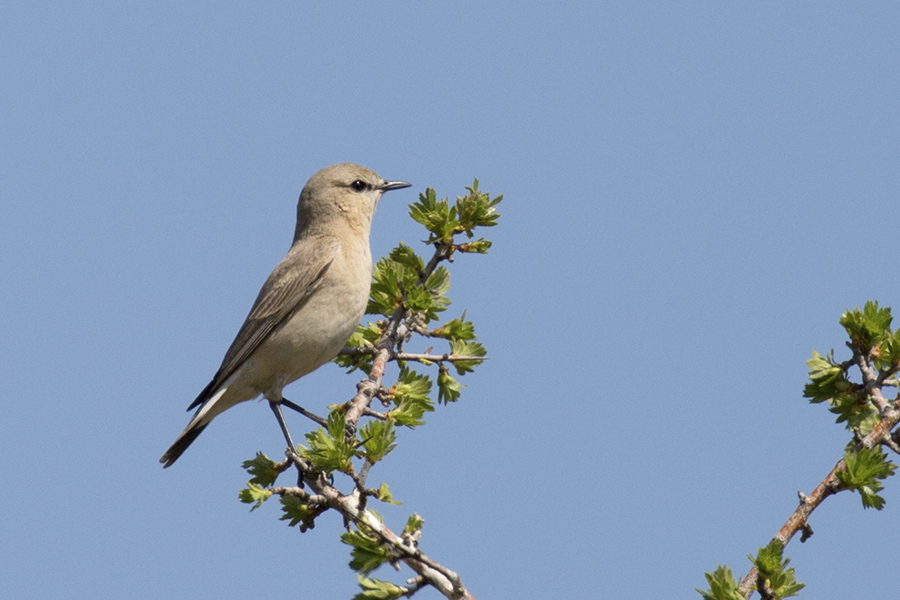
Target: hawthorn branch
799,520
871,380
352,507
367,388
395,333
418,357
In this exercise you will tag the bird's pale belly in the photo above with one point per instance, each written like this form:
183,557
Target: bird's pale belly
302,345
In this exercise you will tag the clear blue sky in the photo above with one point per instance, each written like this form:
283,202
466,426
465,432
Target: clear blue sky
694,192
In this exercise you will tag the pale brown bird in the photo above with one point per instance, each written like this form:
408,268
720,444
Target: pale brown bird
310,304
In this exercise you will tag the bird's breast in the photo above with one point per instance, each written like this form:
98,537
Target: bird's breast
317,331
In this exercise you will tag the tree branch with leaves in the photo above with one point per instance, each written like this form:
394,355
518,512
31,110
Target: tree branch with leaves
854,390
409,295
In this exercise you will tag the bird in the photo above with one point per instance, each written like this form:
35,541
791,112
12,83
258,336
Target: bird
310,304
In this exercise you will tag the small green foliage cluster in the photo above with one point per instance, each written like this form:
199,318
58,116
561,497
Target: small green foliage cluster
409,295
863,472
873,342
375,589
772,571
876,352
404,283
476,209
772,574
853,391
367,552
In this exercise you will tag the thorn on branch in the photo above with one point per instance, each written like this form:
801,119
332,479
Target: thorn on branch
805,532
892,442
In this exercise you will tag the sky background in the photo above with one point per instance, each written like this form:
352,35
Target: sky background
694,193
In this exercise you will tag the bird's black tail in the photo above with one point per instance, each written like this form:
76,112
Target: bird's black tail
184,440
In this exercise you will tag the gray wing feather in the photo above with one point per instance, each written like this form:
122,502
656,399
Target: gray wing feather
284,292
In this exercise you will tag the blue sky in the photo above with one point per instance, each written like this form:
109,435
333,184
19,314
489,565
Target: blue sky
694,192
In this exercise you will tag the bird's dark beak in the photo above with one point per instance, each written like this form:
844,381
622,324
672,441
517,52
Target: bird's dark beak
394,185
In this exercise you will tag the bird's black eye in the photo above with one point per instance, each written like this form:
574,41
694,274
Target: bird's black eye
359,185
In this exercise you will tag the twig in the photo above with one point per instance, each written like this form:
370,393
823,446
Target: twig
395,332
420,357
325,494
798,521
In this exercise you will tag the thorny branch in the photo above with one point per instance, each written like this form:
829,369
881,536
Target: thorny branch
880,434
418,357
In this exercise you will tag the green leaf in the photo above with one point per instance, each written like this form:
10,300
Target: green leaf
722,585
384,494
477,210
262,468
395,283
413,524
430,299
254,494
380,439
411,394
420,300
365,336
448,387
854,407
465,348
868,326
294,510
375,589
390,280
439,281
439,218
888,355
329,450
774,571
407,257
456,329
411,385
479,246
823,373
848,400
366,553
863,472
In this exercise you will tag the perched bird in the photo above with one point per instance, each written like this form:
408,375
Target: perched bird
310,304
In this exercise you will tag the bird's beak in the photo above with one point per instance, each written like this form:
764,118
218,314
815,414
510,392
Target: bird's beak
394,185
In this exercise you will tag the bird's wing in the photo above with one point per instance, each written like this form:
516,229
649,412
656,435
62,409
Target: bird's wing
285,291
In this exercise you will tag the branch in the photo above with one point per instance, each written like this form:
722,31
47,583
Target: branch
799,520
418,357
871,380
395,333
325,494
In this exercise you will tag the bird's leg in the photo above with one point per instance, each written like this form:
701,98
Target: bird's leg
312,416
276,408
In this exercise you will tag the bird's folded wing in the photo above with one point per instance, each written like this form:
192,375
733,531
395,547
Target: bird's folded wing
285,291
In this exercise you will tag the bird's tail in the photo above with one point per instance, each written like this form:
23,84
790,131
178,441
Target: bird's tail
209,408
181,444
